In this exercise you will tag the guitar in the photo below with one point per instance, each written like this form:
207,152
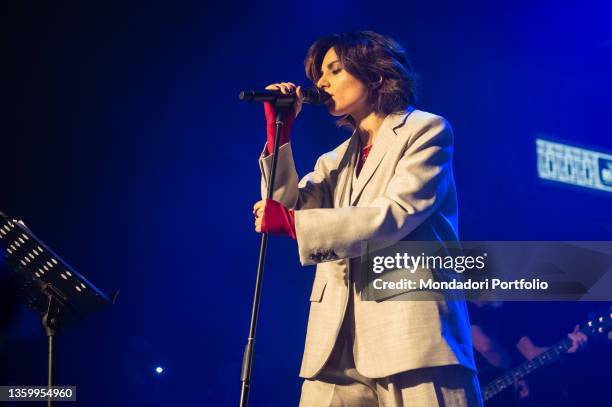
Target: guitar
598,323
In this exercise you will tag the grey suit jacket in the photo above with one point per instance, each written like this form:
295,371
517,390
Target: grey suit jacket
404,191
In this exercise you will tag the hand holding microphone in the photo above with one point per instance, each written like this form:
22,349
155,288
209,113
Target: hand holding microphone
283,94
274,93
289,88
286,88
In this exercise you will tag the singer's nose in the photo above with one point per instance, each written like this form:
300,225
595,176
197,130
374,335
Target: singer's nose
322,83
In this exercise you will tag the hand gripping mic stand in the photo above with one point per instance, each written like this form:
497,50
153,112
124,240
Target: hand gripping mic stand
281,106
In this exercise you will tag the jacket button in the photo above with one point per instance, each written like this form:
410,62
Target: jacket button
316,256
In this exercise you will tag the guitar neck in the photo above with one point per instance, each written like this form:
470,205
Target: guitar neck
508,379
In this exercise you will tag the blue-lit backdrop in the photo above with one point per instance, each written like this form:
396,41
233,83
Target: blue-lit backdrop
125,148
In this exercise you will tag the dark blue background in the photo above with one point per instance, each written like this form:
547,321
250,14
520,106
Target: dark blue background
125,148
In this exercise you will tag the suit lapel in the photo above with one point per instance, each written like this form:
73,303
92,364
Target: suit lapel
384,140
345,178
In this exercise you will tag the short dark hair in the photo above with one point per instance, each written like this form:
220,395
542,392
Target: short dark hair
375,59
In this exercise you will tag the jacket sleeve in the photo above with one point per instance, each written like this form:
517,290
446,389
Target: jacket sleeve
313,191
419,184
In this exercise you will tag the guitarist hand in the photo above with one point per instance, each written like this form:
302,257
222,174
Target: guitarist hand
579,340
522,389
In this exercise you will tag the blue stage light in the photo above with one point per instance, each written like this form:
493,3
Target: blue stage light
159,370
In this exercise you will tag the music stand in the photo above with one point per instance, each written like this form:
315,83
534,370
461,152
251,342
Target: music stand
59,294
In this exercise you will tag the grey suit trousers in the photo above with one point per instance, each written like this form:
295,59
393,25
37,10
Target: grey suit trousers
339,384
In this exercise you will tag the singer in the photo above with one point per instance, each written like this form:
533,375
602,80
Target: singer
391,180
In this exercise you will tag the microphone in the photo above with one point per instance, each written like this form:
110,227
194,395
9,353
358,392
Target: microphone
312,95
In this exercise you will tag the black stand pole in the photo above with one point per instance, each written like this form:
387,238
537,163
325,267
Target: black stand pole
247,361
50,368
50,322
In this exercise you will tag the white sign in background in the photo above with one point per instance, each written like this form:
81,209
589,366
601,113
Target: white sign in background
574,165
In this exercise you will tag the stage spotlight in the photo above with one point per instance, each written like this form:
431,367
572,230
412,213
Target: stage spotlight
159,370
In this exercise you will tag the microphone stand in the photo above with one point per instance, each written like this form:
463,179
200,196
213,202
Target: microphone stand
281,107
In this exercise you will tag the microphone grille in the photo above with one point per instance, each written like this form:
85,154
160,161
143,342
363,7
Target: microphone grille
315,96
